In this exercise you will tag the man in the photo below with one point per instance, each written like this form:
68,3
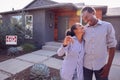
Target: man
100,45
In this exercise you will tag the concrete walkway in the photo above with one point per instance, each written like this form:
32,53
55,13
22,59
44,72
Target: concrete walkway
11,67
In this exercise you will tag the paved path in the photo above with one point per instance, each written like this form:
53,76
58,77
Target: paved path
115,69
13,66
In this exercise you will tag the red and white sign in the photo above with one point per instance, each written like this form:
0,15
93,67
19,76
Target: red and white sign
11,40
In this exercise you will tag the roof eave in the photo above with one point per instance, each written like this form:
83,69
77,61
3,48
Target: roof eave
111,16
104,8
60,5
33,2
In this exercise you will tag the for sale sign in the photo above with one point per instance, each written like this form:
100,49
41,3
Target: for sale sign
11,40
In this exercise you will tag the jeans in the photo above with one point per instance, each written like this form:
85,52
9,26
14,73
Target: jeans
88,74
75,75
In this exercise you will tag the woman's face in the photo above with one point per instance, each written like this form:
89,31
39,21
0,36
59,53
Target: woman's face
79,30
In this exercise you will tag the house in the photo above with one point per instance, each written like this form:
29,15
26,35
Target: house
0,19
113,16
47,20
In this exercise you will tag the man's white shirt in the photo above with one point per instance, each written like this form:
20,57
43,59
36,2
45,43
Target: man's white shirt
98,39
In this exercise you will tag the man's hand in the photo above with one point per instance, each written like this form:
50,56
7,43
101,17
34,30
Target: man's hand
105,72
67,40
106,68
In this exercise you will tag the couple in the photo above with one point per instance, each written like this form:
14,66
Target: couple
89,50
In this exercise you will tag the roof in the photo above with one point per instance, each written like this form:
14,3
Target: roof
103,7
52,6
113,11
42,2
55,5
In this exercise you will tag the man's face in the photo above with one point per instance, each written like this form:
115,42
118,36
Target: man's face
87,17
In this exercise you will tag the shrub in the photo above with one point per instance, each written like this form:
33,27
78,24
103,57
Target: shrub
3,32
55,78
39,72
11,30
27,47
13,51
20,32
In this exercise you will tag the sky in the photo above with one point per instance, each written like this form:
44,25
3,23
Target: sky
7,5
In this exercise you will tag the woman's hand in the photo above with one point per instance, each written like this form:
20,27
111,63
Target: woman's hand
67,40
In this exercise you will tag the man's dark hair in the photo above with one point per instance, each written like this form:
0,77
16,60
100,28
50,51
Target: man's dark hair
88,9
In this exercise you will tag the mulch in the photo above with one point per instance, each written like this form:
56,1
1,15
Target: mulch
25,74
4,56
58,57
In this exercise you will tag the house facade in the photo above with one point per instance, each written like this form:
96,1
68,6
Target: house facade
46,20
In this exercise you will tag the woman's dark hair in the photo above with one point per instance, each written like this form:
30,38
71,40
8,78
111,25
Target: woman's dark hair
72,30
68,33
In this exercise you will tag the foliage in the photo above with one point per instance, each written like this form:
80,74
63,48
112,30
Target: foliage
3,32
27,47
12,51
55,78
11,30
20,32
39,72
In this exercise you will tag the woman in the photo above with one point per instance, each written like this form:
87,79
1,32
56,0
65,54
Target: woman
73,48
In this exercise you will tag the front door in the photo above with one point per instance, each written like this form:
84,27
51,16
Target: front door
49,26
62,27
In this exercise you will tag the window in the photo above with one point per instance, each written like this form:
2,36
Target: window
28,26
1,20
16,20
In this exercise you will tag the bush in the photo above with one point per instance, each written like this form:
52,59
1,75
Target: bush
13,51
3,32
27,47
20,32
39,72
11,30
55,78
